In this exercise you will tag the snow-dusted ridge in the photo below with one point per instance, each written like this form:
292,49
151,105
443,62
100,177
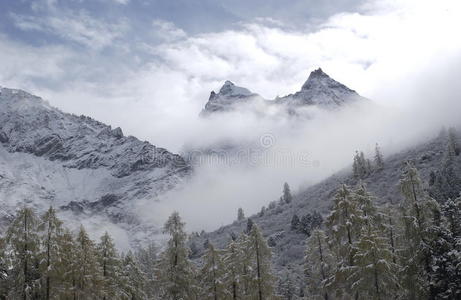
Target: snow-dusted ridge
76,163
319,90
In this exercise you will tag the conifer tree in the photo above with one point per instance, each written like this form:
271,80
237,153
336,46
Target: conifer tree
262,285
287,193
453,141
240,214
417,209
294,225
176,271
51,231
133,279
344,225
147,259
3,269
22,250
88,270
373,274
379,160
318,265
110,264
235,262
69,268
212,275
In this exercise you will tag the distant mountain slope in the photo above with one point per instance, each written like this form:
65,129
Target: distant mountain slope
319,90
384,184
76,163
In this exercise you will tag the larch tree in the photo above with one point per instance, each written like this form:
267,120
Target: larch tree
88,270
133,279
212,275
51,232
110,263
23,253
378,159
148,261
344,225
240,214
417,210
260,253
319,263
287,197
237,262
68,270
176,271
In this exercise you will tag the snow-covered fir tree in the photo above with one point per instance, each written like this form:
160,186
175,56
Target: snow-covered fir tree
318,265
133,280
51,232
175,270
22,252
88,270
287,197
212,276
110,264
378,159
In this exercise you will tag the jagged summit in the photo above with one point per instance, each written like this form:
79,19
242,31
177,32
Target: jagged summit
315,76
323,91
319,90
230,89
229,96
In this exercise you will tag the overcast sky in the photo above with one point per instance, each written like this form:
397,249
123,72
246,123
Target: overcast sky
149,66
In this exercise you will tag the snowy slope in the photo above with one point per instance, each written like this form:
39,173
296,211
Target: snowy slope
384,184
77,164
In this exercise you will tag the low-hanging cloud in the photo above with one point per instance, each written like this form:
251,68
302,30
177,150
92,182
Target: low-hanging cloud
388,52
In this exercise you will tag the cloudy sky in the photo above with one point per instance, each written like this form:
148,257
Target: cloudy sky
148,66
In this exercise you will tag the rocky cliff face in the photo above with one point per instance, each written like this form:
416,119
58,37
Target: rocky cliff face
76,163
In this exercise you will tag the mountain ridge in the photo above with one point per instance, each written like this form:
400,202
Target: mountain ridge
318,90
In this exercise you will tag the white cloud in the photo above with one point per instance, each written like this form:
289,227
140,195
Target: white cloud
390,52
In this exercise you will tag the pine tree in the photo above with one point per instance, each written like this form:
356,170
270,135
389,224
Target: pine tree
445,260
417,209
344,225
148,260
4,268
212,275
287,193
69,268
88,270
379,160
240,214
235,262
262,285
110,267
133,279
318,265
286,287
295,222
51,234
176,271
453,141
373,273
22,250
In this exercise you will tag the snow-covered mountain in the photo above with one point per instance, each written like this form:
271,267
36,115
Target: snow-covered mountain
323,91
77,164
319,90
228,97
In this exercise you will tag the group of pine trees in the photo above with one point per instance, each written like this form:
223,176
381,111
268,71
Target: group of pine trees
362,167
41,259
412,251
